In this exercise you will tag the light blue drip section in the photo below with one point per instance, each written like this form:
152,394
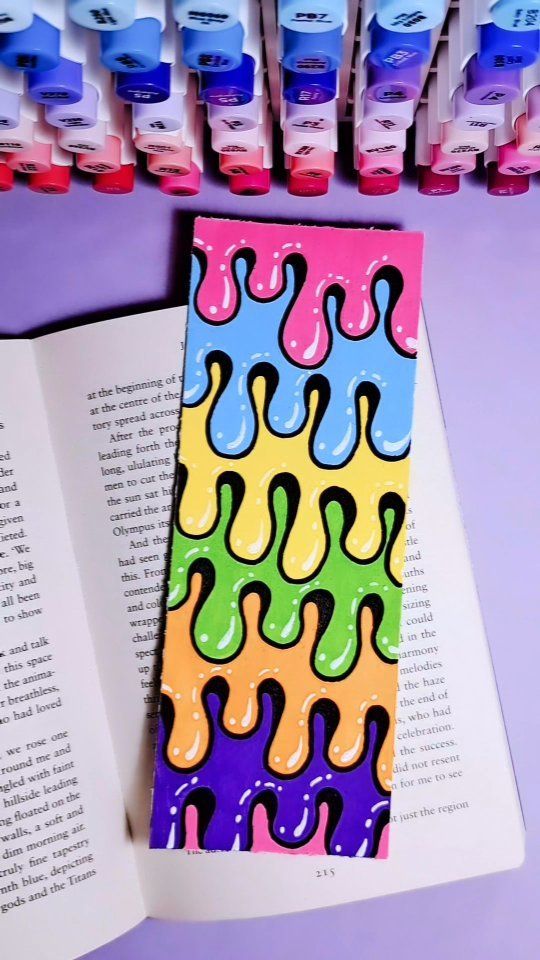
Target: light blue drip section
253,338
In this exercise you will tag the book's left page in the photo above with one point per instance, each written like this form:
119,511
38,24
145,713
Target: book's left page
68,881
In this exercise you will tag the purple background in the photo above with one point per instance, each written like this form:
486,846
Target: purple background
91,255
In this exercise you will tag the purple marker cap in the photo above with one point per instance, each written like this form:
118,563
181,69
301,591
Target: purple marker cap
62,84
78,116
393,86
488,85
10,109
229,87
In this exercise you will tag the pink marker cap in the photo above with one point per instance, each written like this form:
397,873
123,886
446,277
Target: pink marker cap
118,181
252,185
107,160
186,186
512,163
245,164
159,142
19,138
91,140
527,138
305,187
432,184
318,167
170,164
503,185
390,165
379,143
35,159
456,142
533,108
476,116
54,181
378,186
387,116
453,166
6,178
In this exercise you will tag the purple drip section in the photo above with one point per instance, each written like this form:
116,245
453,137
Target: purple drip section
238,779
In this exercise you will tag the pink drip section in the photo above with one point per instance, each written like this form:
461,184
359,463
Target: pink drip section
333,257
263,841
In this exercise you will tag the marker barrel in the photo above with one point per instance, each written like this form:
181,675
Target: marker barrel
374,166
250,185
513,163
447,166
35,159
432,184
56,180
504,185
305,187
246,164
172,164
457,142
107,160
86,140
316,166
116,182
167,115
378,186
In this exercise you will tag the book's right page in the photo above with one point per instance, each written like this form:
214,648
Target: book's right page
455,806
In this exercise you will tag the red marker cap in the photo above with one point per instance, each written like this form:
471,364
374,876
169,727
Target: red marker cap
120,181
305,187
55,180
187,185
6,178
251,184
432,184
505,185
378,186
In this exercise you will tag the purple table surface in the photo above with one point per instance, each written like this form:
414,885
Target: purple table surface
89,255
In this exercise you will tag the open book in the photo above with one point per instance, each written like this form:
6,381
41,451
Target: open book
88,435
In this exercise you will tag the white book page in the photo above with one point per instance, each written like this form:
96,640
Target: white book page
455,810
68,880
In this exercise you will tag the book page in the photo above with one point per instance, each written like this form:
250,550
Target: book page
68,881
455,809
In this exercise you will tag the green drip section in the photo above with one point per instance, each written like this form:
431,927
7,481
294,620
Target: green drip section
219,629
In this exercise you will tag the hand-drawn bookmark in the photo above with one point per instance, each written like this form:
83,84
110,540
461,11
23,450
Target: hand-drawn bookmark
280,661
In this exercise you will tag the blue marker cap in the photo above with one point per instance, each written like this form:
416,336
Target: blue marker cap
151,86
312,16
389,48
213,50
36,48
229,88
63,84
312,52
135,49
308,89
507,49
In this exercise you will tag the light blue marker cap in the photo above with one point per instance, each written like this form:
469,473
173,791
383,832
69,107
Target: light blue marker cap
389,48
312,16
82,115
213,50
312,52
112,15
36,48
133,50
63,84
516,14
408,16
507,49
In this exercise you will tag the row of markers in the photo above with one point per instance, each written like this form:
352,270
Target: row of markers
100,85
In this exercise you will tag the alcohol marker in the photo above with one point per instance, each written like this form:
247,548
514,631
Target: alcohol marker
148,86
513,163
431,184
410,15
447,166
250,185
107,160
57,180
503,185
317,166
379,143
208,14
186,186
114,15
62,84
138,47
247,164
389,48
392,86
305,187
117,182
173,164
213,50
6,177
166,116
159,142
390,165
315,117
246,116
312,53
378,186
15,15
516,14
527,138
229,87
312,16
35,159
235,143
507,49
36,48
456,142
76,116
387,116
83,140
19,137
476,116
303,88
490,86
